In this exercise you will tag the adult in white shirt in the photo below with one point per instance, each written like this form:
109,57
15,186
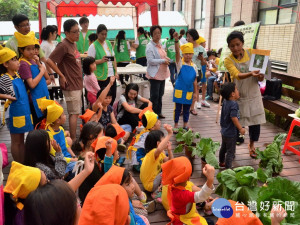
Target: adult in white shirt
48,36
103,53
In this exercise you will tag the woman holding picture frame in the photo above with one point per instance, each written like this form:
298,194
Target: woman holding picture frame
251,107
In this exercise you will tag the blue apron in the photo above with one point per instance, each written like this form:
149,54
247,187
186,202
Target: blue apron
20,120
59,137
184,85
40,91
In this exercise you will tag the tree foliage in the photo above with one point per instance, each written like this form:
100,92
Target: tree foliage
13,7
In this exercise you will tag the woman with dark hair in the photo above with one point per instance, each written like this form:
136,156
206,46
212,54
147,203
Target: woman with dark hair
157,69
122,53
250,103
140,45
170,49
48,35
103,53
199,59
128,109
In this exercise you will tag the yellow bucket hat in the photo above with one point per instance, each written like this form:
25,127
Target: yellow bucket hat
6,54
25,40
187,48
54,110
200,40
21,181
151,119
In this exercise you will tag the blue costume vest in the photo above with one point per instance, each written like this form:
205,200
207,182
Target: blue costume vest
20,119
40,91
184,85
59,137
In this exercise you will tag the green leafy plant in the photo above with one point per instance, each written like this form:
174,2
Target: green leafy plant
186,139
270,158
206,150
282,191
239,184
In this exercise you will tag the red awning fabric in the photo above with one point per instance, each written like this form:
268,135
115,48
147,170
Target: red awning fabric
89,7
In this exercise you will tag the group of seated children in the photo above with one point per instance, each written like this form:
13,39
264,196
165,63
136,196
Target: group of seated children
42,189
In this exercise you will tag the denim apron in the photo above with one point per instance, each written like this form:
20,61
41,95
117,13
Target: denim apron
20,120
40,91
184,85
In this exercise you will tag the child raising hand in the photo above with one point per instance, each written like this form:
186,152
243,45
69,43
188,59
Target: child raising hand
155,145
181,198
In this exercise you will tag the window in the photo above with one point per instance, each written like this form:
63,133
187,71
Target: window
200,14
223,9
182,5
270,13
164,6
174,5
158,6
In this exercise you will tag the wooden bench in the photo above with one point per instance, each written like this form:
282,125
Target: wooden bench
282,107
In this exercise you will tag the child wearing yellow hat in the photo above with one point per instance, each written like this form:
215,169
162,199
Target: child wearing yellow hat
136,152
20,182
186,83
32,73
18,115
181,199
55,118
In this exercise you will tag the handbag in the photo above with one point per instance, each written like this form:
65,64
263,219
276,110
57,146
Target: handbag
4,155
273,89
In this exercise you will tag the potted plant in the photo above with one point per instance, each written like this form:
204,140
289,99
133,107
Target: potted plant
186,141
206,150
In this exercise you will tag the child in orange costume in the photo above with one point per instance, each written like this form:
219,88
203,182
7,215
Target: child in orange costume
119,175
105,204
175,174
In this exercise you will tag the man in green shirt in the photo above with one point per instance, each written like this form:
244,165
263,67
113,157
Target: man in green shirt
83,42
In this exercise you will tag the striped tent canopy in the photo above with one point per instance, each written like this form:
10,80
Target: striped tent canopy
63,8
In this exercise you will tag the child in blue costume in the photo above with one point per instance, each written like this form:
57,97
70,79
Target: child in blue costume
32,73
13,89
55,118
186,83
136,151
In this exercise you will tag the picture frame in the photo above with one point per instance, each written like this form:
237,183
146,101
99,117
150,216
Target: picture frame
259,60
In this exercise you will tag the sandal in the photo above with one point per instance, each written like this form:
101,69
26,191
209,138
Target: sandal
252,152
193,112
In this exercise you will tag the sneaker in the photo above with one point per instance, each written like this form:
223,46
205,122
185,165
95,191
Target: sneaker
198,105
208,98
205,104
143,198
150,206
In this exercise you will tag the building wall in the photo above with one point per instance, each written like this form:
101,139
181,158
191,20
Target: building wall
278,39
282,40
218,37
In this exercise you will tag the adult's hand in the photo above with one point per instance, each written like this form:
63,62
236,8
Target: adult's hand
63,82
167,61
104,59
255,73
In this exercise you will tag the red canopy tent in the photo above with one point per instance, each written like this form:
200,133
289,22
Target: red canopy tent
89,7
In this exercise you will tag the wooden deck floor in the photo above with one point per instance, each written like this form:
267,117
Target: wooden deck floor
204,123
